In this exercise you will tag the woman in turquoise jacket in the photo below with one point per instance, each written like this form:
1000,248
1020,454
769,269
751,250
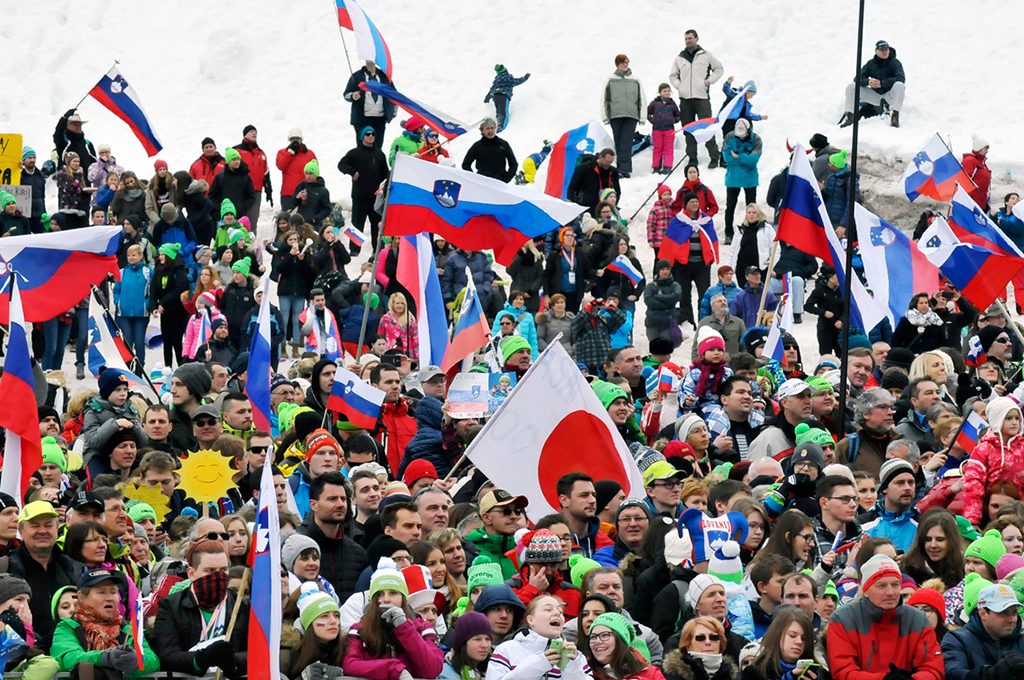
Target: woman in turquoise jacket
525,325
742,151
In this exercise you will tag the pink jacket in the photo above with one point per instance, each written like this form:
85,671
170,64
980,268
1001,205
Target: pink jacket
657,223
397,334
417,653
192,342
991,462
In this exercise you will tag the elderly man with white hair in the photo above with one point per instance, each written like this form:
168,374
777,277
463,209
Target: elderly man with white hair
865,448
730,326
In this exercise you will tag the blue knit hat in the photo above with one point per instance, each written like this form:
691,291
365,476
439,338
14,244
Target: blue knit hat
27,152
367,129
109,380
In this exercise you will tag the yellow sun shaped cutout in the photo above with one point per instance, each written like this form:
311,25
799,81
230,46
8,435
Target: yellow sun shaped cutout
151,495
206,476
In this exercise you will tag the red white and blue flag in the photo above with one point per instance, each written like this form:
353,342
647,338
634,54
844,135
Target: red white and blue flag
138,633
23,452
622,265
976,355
980,274
782,320
107,349
324,340
805,225
972,225
589,138
205,328
370,43
667,379
354,235
265,606
417,271
57,270
470,211
971,432
257,384
895,269
355,399
934,172
706,128
470,332
675,247
444,124
114,92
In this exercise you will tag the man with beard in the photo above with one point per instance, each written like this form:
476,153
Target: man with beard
865,448
778,436
628,363
893,516
341,558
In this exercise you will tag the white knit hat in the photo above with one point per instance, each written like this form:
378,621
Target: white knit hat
996,412
878,567
295,133
698,585
978,142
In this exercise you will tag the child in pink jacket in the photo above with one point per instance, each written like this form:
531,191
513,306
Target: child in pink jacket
206,304
998,457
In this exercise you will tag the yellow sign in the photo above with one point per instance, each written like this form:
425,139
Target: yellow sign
10,158
206,476
150,495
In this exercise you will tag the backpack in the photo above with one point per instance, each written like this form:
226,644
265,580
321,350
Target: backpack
328,281
852,447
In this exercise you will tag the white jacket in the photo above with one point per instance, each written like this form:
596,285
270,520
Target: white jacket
688,77
522,658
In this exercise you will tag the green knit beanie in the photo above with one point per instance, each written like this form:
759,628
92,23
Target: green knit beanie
973,585
55,600
818,383
388,578
6,199
170,250
243,267
140,511
805,433
989,548
1016,581
312,167
621,626
579,567
321,604
372,300
230,154
484,574
499,68
838,159
608,392
53,454
511,345
226,206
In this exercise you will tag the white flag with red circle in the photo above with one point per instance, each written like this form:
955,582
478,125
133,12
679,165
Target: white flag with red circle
552,424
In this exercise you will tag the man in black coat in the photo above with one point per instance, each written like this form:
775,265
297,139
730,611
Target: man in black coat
182,617
368,166
591,177
32,176
68,136
492,154
342,560
233,182
238,300
369,109
881,78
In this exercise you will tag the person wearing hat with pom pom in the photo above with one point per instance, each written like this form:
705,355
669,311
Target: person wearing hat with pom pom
501,92
722,321
321,649
699,390
539,574
998,457
170,282
975,164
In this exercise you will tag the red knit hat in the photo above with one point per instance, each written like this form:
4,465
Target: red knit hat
159,163
417,470
931,598
319,439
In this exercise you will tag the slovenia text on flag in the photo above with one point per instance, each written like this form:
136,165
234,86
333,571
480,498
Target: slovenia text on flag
23,451
257,384
369,42
265,608
675,247
934,172
706,128
57,270
107,350
444,124
471,330
589,138
895,268
417,271
980,274
114,92
804,224
622,265
470,211
355,399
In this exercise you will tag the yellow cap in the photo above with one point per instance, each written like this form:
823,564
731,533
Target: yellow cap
36,509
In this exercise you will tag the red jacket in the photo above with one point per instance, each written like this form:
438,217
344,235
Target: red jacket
202,169
863,640
526,592
253,156
431,153
292,167
943,496
399,429
708,204
976,167
991,462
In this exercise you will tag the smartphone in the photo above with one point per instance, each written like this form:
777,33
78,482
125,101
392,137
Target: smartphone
559,644
804,665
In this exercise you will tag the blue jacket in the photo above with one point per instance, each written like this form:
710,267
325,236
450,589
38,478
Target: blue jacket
970,651
622,335
527,327
746,302
299,482
454,279
745,110
503,84
730,292
836,195
427,443
900,529
741,172
351,319
1012,225
131,293
180,232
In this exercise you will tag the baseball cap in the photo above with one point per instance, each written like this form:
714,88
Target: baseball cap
752,269
206,410
36,509
881,45
98,576
499,497
793,387
997,597
428,373
86,499
661,469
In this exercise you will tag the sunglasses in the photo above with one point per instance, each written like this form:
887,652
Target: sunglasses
508,511
258,449
205,422
217,536
701,637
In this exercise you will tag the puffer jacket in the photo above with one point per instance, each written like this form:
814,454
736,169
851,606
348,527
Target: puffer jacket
836,195
863,640
399,425
741,172
549,326
880,523
976,167
70,649
99,424
730,292
679,665
454,278
527,272
206,168
991,461
180,232
970,652
691,69
292,166
317,205
131,293
197,208
522,658
417,652
428,442
661,298
623,97
256,160
888,71
236,185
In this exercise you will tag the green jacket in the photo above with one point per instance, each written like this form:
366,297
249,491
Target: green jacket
623,97
68,648
404,143
493,548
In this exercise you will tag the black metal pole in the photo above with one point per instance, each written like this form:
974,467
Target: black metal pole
851,229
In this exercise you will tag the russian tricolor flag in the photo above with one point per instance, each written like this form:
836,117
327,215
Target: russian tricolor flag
976,355
23,453
782,320
666,380
417,271
970,433
257,384
471,331
358,401
370,43
114,92
138,633
265,607
205,328
704,129
589,138
895,269
470,211
622,265
354,235
934,172
107,349
327,341
444,124
675,247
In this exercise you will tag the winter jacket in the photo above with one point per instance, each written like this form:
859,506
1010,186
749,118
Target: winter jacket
408,143
198,208
14,225
248,328
65,140
317,205
417,652
235,184
71,194
976,167
432,153
522,658
527,592
795,262
357,116
888,71
400,427
970,652
657,223
691,69
99,425
820,163
863,640
180,232
403,335
525,326
253,157
612,281
131,293
454,278
493,158
35,180
741,172
372,166
707,201
167,286
589,180
730,292
192,339
942,496
179,627
207,168
823,299
731,329
760,236
157,196
991,461
294,275
746,111
129,202
836,195
527,272
98,171
623,97
235,303
292,164
679,665
555,276
332,257
746,302
341,559
503,83
663,114
880,523
428,442
661,298
593,540
549,326
492,547
70,649
591,332
350,319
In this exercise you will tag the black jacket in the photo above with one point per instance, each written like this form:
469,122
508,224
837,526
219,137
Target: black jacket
179,626
317,205
236,303
357,117
888,71
61,571
181,437
341,561
169,294
824,299
372,166
589,180
236,185
493,157
36,180
795,262
64,141
332,257
294,276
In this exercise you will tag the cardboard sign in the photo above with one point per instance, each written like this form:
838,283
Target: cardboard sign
10,158
23,194
467,396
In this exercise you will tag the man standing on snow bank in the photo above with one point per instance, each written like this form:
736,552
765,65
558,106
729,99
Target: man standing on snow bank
881,80
492,154
253,156
367,108
693,72
501,92
368,167
623,106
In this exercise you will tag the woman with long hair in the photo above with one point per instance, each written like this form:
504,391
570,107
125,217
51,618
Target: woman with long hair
208,280
937,551
471,647
73,192
701,654
1011,528
611,651
432,557
398,326
793,538
787,645
593,606
758,525
323,640
449,542
239,538
756,237
607,280
530,654
932,365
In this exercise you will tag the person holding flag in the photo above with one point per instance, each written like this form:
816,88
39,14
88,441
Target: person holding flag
691,244
368,110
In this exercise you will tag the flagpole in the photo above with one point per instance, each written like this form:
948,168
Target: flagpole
1009,322
117,329
851,229
341,30
86,95
234,610
373,267
661,181
767,280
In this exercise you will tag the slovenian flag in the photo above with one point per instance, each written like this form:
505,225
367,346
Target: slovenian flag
445,125
471,331
354,235
469,210
23,453
107,349
370,43
257,385
675,247
934,172
706,128
589,138
782,321
976,355
358,401
264,639
114,92
138,633
417,271
622,265
970,433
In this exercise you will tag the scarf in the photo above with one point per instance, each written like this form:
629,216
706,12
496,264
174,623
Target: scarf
102,630
711,662
929,318
710,376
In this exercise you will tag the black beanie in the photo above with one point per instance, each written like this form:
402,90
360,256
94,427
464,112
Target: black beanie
606,490
382,546
247,128
208,140
660,346
818,141
988,335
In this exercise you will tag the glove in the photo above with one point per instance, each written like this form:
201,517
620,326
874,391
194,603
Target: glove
213,655
120,659
69,113
1011,665
897,673
315,671
393,616
294,146
270,197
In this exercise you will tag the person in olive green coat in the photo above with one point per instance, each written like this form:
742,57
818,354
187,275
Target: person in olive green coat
623,106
